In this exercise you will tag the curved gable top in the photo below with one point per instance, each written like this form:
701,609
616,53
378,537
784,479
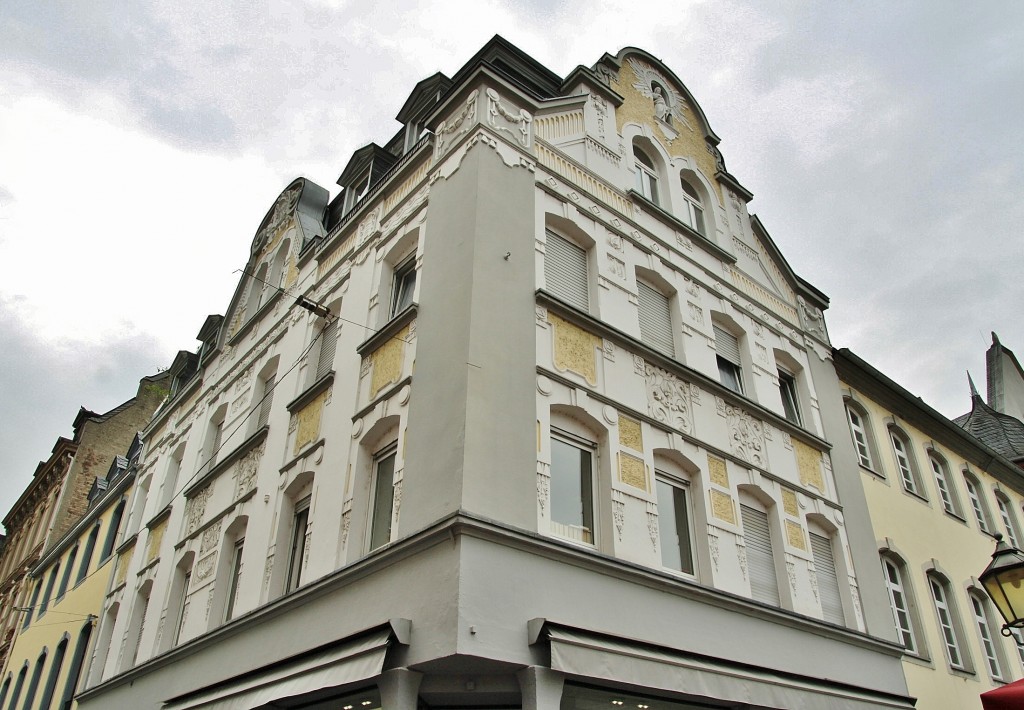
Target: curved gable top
648,69
303,200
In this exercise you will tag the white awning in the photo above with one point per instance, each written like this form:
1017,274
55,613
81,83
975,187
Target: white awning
357,660
591,656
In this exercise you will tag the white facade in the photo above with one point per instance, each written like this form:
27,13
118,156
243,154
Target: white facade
556,427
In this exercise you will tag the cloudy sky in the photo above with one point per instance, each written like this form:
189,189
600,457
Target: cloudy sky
142,142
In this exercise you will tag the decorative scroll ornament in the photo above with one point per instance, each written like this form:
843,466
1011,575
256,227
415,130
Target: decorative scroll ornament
500,118
668,103
668,398
280,214
543,485
195,510
247,468
746,436
811,319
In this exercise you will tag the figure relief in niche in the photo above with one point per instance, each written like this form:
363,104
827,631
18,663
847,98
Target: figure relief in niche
661,109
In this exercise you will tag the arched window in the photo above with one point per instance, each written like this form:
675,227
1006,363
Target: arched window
51,580
693,209
861,434
112,528
646,175
138,622
382,497
33,685
104,647
947,494
827,576
905,463
277,269
177,607
90,545
574,446
256,290
18,685
77,662
54,675
901,602
974,494
1009,519
675,522
4,689
66,577
983,620
949,621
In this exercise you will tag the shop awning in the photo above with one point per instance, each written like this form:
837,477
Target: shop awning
348,662
592,656
1009,697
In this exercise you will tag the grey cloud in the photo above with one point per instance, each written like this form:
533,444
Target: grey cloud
42,385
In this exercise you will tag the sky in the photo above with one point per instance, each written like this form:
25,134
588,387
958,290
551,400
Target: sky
142,143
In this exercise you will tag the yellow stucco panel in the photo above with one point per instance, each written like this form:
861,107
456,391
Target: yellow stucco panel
156,537
795,535
630,433
808,461
632,471
789,503
637,108
717,471
722,506
307,426
122,566
575,349
387,362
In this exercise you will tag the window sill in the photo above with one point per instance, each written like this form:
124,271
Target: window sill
873,472
916,496
255,318
390,329
227,461
702,241
310,393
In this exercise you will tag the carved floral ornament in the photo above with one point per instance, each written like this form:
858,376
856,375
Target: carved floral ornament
451,129
281,212
668,398
508,120
668,103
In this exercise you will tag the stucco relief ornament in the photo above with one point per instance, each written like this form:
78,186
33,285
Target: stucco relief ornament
668,398
449,130
741,557
500,118
746,436
791,571
667,102
713,547
652,524
282,211
812,574
811,319
543,485
619,515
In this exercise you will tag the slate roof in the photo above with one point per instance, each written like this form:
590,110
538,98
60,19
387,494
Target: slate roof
1001,432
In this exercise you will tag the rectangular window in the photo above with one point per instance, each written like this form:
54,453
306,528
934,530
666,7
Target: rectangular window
898,602
383,498
828,579
903,463
186,581
565,271
236,575
1011,528
403,286
266,403
730,372
297,552
985,633
945,615
572,490
979,511
655,320
328,346
674,526
787,388
764,582
216,437
860,438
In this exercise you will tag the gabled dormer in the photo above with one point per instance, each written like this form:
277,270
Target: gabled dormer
366,166
417,108
208,336
182,370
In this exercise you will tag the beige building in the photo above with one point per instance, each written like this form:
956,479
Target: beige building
532,414
937,495
54,643
57,497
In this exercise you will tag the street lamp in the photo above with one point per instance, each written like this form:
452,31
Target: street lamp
1003,579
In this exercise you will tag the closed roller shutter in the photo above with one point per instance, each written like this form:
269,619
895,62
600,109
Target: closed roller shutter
828,581
764,584
727,346
565,271
655,320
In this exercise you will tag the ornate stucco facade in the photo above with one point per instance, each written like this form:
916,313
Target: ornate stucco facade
532,414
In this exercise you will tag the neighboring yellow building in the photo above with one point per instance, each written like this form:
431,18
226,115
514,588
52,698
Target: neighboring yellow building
937,496
54,641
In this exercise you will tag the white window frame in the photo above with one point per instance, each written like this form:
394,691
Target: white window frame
981,513
948,622
581,528
693,207
646,175
234,576
680,540
861,438
790,396
900,604
382,498
904,462
989,645
1009,519
403,286
729,358
297,540
943,483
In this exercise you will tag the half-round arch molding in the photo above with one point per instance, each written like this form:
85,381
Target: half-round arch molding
303,205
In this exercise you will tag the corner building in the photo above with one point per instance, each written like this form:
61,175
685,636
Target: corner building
556,427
